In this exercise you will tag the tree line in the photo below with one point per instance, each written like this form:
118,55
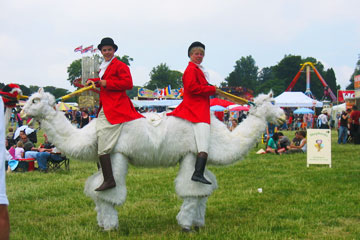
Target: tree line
248,75
245,74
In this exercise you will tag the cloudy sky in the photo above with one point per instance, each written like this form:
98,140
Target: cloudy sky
38,37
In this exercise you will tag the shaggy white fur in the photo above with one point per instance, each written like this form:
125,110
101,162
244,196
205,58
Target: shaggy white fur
156,140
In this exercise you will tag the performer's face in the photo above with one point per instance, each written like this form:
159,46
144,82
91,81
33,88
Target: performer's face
197,56
107,52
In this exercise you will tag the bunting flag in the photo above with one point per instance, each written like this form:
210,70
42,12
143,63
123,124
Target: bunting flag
78,49
181,92
168,90
89,48
94,50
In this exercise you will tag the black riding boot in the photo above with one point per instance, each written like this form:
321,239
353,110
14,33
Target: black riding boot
109,181
198,175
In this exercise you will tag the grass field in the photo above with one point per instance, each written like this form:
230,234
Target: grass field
296,203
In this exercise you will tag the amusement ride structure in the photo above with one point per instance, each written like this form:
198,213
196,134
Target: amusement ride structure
327,90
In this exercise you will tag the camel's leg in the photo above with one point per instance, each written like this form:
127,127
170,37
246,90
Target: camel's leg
199,220
107,216
187,213
105,201
99,216
194,194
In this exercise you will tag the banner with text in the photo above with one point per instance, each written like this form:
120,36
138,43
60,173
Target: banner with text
342,95
160,93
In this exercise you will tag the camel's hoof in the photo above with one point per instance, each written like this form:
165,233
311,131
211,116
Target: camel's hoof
186,230
108,229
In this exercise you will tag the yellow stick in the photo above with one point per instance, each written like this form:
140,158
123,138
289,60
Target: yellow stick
232,97
76,92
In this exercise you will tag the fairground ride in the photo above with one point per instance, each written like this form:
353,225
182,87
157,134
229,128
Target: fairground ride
327,90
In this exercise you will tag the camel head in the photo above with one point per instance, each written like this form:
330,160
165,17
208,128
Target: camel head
40,105
265,107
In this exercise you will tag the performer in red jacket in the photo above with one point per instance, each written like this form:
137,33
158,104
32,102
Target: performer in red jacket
195,106
115,107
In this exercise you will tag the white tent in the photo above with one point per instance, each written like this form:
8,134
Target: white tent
339,108
296,99
157,103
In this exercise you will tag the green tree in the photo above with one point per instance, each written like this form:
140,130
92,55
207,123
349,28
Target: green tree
125,59
161,76
133,92
267,81
74,71
244,74
330,78
57,92
33,88
25,90
356,72
286,70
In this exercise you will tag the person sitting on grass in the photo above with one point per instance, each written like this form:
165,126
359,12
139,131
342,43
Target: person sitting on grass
298,149
283,140
273,145
296,140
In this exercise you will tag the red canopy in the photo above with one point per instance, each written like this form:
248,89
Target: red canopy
221,102
240,108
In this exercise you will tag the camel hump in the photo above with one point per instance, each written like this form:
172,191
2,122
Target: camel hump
155,118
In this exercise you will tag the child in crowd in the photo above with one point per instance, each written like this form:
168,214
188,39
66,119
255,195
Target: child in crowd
19,150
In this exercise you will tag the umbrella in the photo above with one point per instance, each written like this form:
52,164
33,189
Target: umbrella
65,107
221,102
23,128
217,108
303,111
240,108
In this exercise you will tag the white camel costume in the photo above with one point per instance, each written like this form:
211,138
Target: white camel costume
156,140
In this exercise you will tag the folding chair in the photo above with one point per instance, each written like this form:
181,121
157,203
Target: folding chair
53,165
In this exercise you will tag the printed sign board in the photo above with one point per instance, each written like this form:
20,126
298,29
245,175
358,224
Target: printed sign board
357,82
344,94
318,146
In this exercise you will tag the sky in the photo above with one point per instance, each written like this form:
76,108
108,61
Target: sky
38,37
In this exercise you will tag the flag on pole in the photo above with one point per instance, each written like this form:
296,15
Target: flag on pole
78,49
89,48
168,89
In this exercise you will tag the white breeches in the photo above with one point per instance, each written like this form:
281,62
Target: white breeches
202,136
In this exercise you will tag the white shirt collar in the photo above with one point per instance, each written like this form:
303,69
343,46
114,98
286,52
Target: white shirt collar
104,66
206,73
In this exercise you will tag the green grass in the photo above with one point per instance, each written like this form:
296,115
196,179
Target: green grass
297,202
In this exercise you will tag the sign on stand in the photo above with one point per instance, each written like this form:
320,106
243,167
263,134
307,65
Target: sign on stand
318,146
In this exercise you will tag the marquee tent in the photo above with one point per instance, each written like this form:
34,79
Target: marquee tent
155,103
296,99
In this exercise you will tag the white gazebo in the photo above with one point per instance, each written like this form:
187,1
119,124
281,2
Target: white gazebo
296,99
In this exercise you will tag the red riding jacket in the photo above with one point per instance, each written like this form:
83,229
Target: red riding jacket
116,104
195,106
